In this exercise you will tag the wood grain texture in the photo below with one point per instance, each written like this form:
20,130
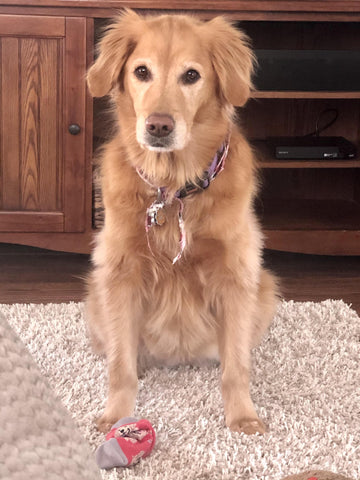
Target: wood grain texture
30,117
50,125
271,162
30,99
89,128
75,113
31,222
34,26
227,5
63,242
10,124
236,15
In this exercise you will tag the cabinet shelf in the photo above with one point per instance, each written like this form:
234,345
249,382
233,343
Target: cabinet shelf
297,224
311,210
310,214
267,160
275,163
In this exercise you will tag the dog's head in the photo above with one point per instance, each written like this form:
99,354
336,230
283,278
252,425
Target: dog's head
173,75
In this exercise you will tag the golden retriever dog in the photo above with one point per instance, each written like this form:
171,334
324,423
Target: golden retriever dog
178,274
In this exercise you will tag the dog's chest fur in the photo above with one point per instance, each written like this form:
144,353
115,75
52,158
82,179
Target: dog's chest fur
179,320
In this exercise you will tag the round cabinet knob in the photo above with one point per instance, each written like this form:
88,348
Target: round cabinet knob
74,129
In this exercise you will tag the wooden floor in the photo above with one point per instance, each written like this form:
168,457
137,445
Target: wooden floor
30,275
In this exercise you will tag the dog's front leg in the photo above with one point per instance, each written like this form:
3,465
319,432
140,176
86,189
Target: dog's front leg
122,332
235,339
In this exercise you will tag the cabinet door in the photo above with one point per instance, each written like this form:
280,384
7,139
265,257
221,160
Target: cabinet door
42,92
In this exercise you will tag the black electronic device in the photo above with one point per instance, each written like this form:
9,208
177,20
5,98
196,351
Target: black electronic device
311,148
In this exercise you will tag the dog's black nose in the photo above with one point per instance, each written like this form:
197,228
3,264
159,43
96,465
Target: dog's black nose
159,125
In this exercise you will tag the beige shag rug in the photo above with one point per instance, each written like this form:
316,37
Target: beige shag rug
306,386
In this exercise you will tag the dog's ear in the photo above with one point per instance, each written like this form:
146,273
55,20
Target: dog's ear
232,59
116,46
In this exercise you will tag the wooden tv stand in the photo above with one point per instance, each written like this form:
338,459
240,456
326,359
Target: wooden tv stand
47,121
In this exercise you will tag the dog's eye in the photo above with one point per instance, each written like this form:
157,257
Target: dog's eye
191,76
142,73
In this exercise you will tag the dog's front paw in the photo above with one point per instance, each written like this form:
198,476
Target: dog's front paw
104,423
119,405
249,426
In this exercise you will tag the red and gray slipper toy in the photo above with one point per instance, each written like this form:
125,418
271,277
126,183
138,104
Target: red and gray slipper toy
129,440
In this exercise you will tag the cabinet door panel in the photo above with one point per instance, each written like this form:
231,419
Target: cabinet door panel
34,168
40,87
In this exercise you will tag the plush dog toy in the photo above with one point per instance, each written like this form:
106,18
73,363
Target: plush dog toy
129,440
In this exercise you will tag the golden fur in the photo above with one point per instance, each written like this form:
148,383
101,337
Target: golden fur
217,300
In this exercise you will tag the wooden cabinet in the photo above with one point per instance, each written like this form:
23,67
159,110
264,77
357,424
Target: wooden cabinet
45,171
44,158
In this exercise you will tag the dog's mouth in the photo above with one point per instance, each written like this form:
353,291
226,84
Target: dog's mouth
158,145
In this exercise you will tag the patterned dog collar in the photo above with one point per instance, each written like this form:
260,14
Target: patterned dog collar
155,215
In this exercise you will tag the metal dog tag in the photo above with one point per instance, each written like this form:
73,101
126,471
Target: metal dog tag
155,213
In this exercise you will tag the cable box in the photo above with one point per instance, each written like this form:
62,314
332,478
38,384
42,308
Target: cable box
311,148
